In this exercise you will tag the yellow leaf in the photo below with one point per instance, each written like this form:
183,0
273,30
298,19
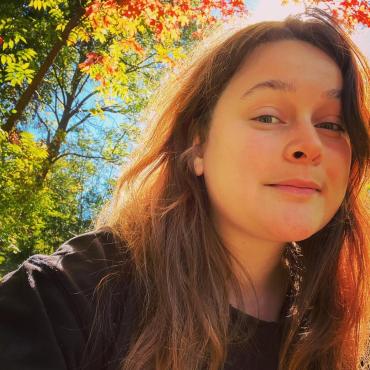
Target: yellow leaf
100,37
183,20
3,59
28,73
60,27
131,29
174,34
141,28
72,39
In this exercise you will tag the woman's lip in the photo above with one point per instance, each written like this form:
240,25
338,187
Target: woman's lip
295,190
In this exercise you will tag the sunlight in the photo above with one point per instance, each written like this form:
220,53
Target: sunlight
362,39
261,10
273,10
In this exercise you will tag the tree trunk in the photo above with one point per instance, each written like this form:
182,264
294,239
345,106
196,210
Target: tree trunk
32,87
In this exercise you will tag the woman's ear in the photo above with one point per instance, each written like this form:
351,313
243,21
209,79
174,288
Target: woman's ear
198,157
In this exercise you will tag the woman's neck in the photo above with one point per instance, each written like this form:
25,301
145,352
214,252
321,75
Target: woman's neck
270,299
263,265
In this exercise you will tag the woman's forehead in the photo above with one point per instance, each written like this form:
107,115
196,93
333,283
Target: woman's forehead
285,66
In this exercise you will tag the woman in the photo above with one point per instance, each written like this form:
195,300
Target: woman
236,237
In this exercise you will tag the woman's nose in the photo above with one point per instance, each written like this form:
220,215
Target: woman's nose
305,145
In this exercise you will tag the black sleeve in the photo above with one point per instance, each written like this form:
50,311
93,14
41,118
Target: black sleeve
46,306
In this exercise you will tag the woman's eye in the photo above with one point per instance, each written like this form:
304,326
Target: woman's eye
332,126
267,118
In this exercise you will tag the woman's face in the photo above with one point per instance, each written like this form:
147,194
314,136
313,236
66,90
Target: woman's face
277,120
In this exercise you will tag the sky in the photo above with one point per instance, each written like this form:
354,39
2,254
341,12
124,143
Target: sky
273,10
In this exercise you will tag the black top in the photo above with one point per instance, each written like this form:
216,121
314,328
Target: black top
47,306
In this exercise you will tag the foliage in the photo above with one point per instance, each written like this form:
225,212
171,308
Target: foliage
26,35
21,158
34,218
124,37
141,34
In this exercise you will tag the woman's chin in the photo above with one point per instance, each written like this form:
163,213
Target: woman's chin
296,232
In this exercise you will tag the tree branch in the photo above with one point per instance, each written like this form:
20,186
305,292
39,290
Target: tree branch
59,84
111,109
82,85
49,60
84,100
138,66
119,141
79,123
83,156
46,126
55,109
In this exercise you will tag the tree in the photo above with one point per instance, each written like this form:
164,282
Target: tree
25,209
26,37
63,117
48,177
117,26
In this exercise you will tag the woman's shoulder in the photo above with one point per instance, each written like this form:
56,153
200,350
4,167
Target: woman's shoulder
47,305
84,258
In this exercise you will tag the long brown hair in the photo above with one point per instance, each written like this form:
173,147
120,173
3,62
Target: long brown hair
161,213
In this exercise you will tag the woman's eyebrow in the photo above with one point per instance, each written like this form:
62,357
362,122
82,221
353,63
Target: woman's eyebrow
287,87
270,84
333,93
